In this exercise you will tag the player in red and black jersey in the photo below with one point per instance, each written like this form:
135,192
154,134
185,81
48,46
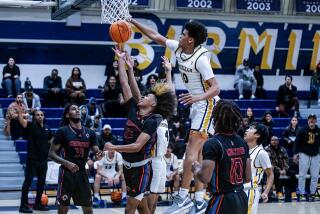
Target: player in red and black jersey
226,163
73,142
144,116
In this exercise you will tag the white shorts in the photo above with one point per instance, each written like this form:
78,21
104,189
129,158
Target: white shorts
159,171
201,115
253,200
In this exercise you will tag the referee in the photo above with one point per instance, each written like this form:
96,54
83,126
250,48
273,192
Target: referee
38,135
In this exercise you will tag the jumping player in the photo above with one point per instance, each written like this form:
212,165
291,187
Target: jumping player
73,142
226,162
198,77
255,137
144,117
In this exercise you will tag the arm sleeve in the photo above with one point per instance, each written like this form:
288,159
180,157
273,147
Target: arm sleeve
172,44
212,150
204,67
264,160
150,126
58,137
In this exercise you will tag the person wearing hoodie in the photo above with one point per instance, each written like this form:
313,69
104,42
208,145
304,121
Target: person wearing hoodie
268,122
76,87
92,107
85,118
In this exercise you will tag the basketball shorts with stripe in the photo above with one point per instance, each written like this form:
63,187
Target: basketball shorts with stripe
228,203
253,200
137,179
201,116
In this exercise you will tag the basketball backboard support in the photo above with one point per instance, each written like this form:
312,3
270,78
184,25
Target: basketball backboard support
66,8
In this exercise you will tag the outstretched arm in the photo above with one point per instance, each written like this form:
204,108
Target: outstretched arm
149,32
126,91
168,68
132,81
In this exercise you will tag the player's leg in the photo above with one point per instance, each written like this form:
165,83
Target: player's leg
157,170
87,210
123,188
65,184
96,189
63,209
133,202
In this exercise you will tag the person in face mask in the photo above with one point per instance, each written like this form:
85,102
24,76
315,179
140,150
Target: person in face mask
315,81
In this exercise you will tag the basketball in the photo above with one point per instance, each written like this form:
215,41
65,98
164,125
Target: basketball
116,197
120,31
44,200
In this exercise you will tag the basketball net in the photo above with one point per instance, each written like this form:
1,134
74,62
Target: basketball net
114,10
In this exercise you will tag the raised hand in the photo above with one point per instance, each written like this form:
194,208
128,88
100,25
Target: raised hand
120,54
166,64
129,60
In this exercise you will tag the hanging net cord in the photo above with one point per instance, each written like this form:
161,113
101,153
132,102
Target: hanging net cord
114,10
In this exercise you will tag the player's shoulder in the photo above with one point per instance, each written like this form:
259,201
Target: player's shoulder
63,129
156,117
262,153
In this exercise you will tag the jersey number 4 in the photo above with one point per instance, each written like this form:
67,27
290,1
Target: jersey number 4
184,78
236,171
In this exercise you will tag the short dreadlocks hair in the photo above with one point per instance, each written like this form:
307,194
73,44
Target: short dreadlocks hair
227,117
166,100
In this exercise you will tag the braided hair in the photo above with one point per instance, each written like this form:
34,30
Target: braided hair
227,117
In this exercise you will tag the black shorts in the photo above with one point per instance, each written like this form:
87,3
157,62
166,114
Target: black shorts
228,203
137,179
75,186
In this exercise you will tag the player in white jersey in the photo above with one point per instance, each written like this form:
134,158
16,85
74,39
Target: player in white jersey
197,75
260,163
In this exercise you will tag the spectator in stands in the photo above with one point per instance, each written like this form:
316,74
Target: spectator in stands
52,86
289,134
11,78
290,183
172,169
280,162
113,99
151,81
306,150
109,171
138,75
38,135
12,126
268,122
315,81
97,124
85,118
92,107
245,80
287,98
106,136
244,127
31,100
76,87
250,116
260,92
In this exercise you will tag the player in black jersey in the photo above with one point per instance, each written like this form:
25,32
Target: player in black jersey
73,142
226,163
144,116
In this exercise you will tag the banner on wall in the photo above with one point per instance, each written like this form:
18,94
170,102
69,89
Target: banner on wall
276,47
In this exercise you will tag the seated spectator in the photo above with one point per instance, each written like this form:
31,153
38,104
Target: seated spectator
12,126
52,85
109,171
106,136
172,168
245,80
151,81
11,78
31,100
113,105
92,107
244,127
306,153
289,134
260,92
280,162
268,122
97,124
250,116
76,87
315,82
287,98
85,118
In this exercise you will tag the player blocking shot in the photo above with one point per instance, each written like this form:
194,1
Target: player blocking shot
203,89
226,163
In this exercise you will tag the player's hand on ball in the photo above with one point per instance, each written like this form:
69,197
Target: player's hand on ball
264,197
188,99
72,167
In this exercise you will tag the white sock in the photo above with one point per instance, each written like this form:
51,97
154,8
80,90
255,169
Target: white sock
199,195
96,195
183,192
124,194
